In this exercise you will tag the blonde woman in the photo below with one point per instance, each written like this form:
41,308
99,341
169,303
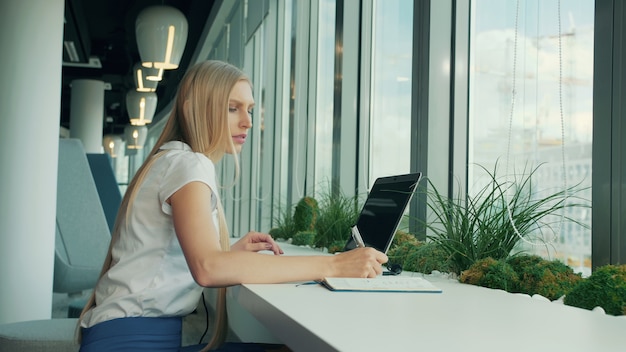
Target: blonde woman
170,239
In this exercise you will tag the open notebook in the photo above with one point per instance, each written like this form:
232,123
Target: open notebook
380,284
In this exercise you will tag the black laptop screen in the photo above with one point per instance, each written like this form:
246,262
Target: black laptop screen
383,210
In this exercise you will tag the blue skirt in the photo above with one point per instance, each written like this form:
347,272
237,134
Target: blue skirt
133,334
153,334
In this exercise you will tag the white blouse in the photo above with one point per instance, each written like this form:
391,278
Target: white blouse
150,277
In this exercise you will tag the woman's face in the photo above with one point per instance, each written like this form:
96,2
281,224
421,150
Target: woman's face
240,105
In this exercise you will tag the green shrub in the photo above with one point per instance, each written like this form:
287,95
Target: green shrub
306,213
606,288
491,273
303,238
549,278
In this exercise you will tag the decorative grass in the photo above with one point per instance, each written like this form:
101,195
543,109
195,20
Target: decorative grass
285,225
337,214
491,223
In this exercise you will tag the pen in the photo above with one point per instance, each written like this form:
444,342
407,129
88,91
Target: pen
356,235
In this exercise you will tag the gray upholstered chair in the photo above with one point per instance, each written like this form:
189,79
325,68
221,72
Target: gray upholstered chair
53,335
82,232
82,241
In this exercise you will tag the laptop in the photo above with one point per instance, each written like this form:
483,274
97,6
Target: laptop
383,209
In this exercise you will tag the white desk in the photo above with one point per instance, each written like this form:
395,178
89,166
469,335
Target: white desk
462,318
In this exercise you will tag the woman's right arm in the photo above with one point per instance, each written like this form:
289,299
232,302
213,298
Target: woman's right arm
212,267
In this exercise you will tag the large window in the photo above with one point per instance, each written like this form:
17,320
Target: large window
346,92
531,106
390,99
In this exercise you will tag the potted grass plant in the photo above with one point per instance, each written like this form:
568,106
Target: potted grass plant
337,214
324,225
493,221
284,223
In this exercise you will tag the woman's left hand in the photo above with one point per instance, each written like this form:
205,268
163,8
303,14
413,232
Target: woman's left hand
256,242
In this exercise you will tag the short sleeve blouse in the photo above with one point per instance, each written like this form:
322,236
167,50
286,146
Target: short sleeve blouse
150,277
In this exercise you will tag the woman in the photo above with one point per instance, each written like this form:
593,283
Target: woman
170,239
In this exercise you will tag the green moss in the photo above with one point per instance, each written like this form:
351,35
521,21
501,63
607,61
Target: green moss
519,262
306,213
606,288
427,258
399,253
549,278
491,273
336,246
403,244
418,256
277,233
304,238
403,237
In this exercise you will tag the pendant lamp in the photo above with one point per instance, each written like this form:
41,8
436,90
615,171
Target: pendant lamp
161,33
140,107
135,136
141,77
112,145
154,74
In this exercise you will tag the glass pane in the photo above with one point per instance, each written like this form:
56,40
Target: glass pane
390,123
531,109
324,98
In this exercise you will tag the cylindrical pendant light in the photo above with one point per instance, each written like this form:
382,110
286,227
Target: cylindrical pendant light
112,145
161,33
140,76
135,136
140,107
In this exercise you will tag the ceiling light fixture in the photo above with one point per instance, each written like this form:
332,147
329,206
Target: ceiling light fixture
154,75
141,78
141,107
113,145
135,137
161,33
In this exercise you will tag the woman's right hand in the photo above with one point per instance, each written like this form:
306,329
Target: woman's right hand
359,262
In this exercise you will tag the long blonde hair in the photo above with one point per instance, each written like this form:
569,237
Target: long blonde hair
199,119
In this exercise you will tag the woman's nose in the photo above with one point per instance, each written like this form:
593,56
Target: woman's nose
246,120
